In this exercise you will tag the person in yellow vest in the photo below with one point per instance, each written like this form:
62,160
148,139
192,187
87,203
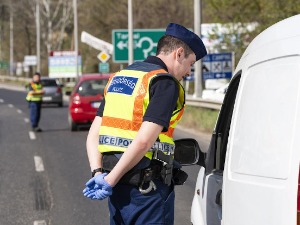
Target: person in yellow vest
35,97
130,143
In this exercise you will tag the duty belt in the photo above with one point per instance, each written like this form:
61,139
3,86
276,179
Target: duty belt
167,148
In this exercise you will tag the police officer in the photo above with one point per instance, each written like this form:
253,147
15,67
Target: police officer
34,97
142,105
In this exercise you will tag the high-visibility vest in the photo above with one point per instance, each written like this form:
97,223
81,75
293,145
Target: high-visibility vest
126,100
37,88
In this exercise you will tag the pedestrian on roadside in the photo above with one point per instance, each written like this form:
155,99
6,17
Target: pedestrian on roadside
34,98
142,105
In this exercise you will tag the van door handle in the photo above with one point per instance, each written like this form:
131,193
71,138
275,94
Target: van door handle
219,198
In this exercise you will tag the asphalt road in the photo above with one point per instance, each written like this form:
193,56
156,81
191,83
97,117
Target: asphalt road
42,175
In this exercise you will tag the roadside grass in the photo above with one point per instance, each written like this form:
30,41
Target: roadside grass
199,119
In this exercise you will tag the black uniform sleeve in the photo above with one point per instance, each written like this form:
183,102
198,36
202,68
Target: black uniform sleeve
101,108
163,98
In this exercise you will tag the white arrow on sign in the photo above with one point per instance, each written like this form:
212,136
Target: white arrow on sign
96,42
151,45
121,45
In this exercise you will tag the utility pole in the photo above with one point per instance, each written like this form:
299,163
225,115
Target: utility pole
38,38
75,36
198,65
1,32
11,43
130,33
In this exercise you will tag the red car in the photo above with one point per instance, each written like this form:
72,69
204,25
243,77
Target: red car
85,99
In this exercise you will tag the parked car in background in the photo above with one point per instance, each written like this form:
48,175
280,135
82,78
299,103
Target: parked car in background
53,91
85,99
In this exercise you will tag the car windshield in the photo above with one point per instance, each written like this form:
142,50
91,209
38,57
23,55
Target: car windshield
49,83
91,87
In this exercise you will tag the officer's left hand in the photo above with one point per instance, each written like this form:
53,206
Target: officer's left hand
97,188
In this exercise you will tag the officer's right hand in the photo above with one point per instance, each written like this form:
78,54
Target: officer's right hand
98,188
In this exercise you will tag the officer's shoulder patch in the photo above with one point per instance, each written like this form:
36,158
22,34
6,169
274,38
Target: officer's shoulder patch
122,85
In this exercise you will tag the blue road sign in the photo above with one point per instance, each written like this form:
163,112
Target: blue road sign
217,66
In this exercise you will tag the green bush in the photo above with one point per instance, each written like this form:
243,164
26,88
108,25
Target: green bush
200,119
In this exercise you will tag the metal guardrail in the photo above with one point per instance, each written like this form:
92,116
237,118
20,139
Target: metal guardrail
199,102
14,78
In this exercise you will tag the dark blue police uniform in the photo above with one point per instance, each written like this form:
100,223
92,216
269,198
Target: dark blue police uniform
127,205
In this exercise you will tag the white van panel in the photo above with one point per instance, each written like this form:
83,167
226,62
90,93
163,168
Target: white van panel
262,165
198,210
264,101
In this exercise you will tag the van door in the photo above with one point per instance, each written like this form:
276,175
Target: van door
262,163
207,202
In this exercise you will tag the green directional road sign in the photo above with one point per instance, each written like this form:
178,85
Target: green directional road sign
4,65
144,42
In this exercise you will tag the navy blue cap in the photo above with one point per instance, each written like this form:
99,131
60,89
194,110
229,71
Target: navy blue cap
188,37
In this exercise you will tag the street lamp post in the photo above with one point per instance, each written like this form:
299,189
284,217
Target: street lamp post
75,36
130,33
11,44
38,43
198,65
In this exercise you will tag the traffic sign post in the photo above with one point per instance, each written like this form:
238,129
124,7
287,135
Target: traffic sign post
30,60
103,67
144,42
217,66
62,64
103,56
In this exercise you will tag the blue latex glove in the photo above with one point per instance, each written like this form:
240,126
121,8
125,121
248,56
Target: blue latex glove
97,188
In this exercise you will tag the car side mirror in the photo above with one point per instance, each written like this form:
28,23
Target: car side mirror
187,152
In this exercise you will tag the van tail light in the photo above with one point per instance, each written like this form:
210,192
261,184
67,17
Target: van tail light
298,200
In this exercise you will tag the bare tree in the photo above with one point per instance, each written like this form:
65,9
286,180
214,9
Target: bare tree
56,16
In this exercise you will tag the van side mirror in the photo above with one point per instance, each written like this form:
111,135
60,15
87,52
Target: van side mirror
187,152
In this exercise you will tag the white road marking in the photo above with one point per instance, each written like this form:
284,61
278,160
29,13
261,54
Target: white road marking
10,105
19,111
39,166
39,222
26,120
32,135
1,100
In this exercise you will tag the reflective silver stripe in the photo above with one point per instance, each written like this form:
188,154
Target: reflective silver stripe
164,147
125,142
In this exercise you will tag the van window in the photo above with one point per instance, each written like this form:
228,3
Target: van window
266,119
215,159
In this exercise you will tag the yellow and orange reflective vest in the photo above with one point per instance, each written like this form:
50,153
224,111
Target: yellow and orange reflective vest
126,100
38,95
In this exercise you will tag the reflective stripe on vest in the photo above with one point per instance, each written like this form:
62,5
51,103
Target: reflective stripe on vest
36,97
125,142
126,100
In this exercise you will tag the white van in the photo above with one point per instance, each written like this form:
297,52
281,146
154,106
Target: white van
251,170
